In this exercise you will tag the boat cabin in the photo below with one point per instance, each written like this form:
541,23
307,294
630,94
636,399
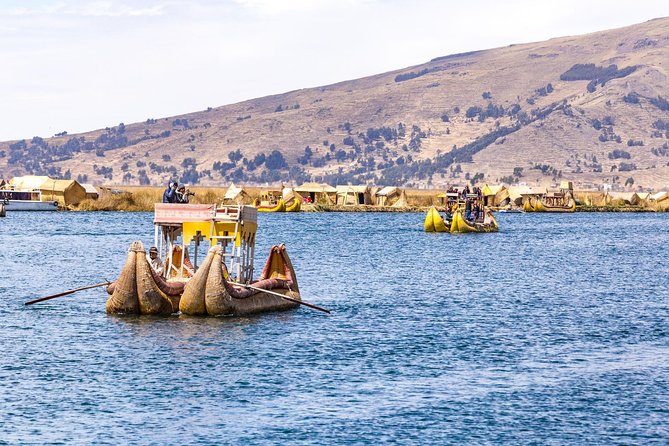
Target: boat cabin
178,226
25,195
270,197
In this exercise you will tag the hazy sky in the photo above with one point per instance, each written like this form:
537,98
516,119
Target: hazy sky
79,65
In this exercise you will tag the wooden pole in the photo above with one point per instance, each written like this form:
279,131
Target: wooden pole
65,293
301,302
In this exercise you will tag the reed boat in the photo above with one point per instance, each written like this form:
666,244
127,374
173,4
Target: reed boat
461,225
434,222
568,205
280,206
221,285
528,206
294,205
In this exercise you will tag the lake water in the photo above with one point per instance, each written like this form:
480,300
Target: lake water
553,331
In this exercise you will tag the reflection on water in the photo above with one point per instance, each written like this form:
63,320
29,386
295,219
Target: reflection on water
554,330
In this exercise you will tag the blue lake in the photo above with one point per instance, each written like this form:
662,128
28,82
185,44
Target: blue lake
553,331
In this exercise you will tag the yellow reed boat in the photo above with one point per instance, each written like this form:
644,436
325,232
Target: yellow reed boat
294,206
568,205
528,206
461,225
278,207
434,221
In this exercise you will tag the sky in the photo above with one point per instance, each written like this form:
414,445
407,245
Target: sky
75,66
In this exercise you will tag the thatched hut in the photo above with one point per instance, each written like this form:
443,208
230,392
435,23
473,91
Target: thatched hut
659,197
386,195
27,182
495,195
402,201
518,194
236,195
288,194
318,193
91,191
66,192
623,197
567,186
354,195
271,195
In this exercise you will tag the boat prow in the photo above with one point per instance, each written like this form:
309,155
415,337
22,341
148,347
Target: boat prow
434,222
209,293
461,225
279,207
294,206
139,290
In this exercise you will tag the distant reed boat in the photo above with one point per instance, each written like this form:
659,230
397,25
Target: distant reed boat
460,225
557,202
434,222
221,285
279,206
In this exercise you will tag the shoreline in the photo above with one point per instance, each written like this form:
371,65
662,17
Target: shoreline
388,209
142,199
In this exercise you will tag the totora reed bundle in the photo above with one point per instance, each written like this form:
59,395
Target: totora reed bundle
139,290
210,293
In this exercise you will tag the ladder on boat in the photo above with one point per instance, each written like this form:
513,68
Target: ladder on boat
238,248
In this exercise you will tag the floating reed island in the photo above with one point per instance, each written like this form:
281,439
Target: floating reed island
366,199
315,197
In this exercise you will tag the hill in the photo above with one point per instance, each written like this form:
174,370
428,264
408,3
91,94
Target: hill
593,109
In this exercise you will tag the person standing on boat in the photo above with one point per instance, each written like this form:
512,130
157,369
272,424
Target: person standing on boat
170,194
155,262
183,194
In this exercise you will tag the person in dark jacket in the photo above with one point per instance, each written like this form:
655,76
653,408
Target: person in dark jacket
170,194
183,194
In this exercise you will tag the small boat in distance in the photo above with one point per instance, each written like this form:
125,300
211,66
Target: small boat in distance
25,200
434,222
556,203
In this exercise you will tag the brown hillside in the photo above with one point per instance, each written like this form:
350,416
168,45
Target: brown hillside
538,125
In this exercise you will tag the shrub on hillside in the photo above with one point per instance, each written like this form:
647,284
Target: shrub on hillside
619,154
660,103
410,75
631,98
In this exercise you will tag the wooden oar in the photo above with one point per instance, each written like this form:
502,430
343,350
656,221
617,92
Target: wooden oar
65,293
301,302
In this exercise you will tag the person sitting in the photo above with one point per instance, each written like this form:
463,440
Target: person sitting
155,262
448,217
170,194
